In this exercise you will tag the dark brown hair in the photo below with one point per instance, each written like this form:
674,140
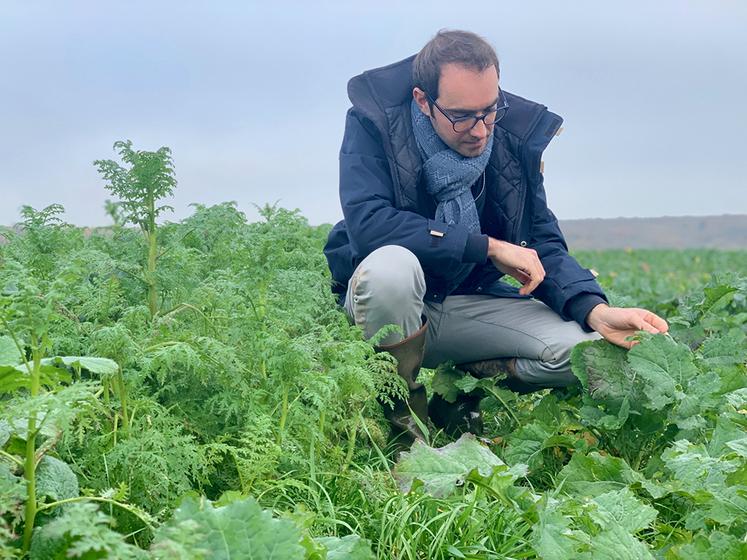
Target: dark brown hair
460,47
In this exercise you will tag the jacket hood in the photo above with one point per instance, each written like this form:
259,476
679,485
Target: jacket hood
376,90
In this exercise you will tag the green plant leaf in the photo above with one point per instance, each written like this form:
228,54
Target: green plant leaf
604,372
738,398
11,379
444,382
622,509
563,531
616,544
739,446
55,480
52,376
665,366
705,480
9,354
100,366
722,349
349,547
715,546
240,530
726,430
595,474
553,538
467,383
702,396
525,445
443,469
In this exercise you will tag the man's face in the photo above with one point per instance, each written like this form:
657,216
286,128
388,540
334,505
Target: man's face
462,91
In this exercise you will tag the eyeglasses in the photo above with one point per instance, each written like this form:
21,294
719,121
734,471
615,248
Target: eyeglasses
463,124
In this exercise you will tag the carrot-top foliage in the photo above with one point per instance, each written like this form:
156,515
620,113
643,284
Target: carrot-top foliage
192,390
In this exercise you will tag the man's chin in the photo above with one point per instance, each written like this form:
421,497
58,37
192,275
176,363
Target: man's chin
472,150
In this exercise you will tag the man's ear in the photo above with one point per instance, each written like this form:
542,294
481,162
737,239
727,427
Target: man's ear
422,101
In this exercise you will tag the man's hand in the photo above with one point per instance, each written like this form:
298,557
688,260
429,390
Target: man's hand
519,262
618,323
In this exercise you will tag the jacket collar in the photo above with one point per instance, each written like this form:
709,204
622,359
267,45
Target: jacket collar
374,91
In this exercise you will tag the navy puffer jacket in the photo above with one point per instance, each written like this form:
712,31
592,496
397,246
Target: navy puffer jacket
384,200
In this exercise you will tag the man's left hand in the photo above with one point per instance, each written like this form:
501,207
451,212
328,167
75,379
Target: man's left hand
616,324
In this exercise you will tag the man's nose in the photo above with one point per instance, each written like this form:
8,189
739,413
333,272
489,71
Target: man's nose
480,130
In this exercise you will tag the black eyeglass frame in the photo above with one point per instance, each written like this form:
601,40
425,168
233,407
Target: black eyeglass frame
455,121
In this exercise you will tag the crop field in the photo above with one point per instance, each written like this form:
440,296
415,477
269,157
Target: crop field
191,390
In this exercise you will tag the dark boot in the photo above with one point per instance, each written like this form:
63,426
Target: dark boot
409,354
464,415
458,417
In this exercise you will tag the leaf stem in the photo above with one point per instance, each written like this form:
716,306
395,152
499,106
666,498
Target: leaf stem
11,458
126,507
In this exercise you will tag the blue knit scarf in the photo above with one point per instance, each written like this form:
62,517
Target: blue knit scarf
448,174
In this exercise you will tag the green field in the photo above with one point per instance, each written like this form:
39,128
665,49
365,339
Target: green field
191,390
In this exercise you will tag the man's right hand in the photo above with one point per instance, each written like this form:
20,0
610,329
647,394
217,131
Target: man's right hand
518,262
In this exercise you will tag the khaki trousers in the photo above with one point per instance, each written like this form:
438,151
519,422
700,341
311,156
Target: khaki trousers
388,287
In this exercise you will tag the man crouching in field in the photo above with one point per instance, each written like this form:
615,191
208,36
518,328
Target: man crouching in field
442,195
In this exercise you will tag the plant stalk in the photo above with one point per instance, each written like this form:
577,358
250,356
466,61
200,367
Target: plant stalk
29,469
283,415
150,273
122,390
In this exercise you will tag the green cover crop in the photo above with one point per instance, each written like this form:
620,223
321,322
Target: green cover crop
191,390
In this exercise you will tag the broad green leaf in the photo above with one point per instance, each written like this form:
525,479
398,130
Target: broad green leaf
738,398
17,377
702,396
240,530
595,416
726,430
12,490
548,410
665,366
724,348
9,354
562,533
715,546
525,445
553,538
444,382
604,372
52,376
717,297
616,544
5,432
695,469
704,479
467,383
595,474
739,446
733,378
620,508
350,547
443,469
11,379
100,366
55,480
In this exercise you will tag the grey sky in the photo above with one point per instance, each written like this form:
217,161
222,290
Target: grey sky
251,97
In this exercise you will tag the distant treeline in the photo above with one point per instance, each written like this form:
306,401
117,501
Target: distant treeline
689,232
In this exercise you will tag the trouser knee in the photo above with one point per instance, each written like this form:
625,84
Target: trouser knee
553,369
388,287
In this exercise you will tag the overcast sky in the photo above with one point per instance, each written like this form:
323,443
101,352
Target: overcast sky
251,97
